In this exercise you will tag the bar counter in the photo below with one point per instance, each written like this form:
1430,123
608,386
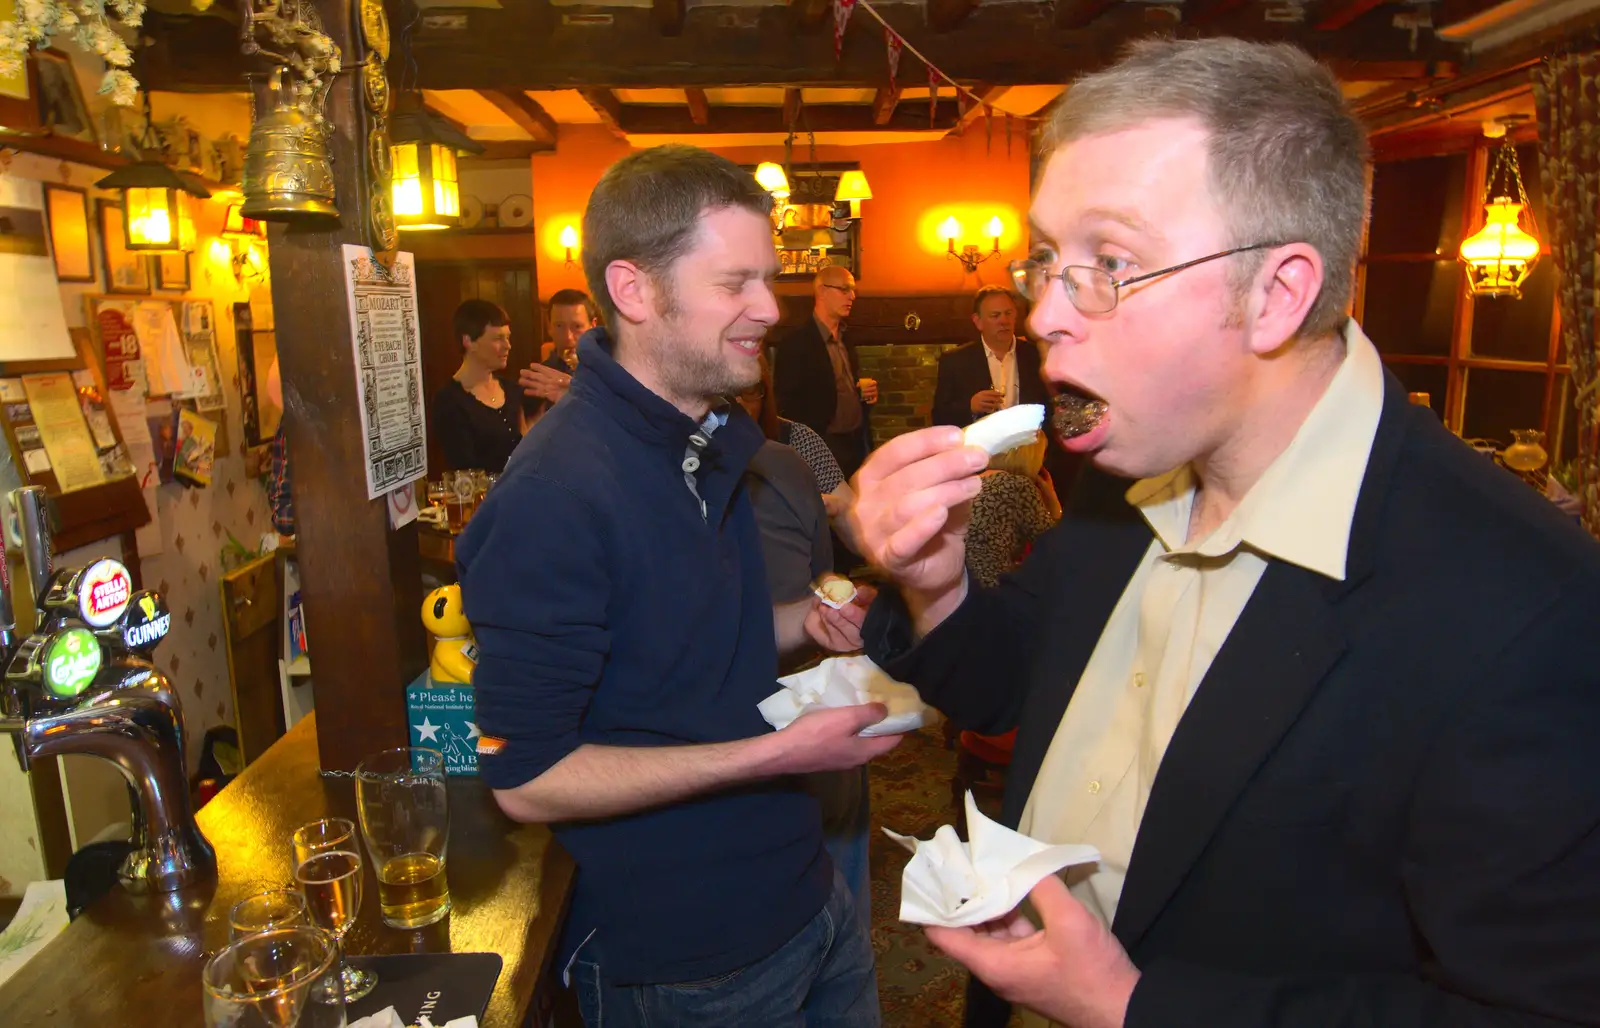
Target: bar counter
135,961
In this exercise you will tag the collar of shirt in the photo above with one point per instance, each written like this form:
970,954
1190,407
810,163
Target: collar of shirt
828,336
1301,509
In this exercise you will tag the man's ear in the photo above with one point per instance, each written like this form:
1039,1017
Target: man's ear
1288,284
631,291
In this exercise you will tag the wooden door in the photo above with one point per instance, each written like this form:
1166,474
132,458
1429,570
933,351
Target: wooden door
251,600
441,286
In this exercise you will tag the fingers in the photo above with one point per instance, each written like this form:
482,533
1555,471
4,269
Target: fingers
867,714
980,954
1054,901
903,546
905,450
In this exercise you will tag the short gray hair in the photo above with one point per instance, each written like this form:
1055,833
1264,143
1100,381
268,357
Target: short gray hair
1288,159
646,209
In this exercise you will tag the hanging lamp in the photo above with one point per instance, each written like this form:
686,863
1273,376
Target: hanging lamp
1500,255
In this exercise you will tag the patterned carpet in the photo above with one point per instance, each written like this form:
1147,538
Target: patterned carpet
917,986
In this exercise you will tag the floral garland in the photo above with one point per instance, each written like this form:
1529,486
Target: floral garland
89,24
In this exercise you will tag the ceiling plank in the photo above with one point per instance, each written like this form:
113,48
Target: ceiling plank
524,112
1336,14
504,48
1389,71
1079,14
669,15
660,120
791,106
946,15
608,107
810,15
1451,106
1204,12
883,104
699,109
510,149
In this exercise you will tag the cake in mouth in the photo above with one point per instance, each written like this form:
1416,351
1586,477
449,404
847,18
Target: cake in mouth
1074,412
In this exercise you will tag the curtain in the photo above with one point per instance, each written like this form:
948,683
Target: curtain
1566,92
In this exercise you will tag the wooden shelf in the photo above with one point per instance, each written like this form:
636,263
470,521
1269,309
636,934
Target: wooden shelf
77,151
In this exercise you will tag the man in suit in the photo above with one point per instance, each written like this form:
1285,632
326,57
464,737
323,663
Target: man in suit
572,314
991,372
1320,684
818,375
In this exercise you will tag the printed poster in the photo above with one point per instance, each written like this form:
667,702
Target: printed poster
70,449
197,448
388,356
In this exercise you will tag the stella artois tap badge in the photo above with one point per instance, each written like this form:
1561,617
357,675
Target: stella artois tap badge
103,593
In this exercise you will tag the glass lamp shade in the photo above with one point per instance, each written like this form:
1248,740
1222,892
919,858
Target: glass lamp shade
426,192
157,219
1500,255
770,176
853,186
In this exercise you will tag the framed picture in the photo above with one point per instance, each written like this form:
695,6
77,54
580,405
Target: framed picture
66,208
126,272
172,272
61,106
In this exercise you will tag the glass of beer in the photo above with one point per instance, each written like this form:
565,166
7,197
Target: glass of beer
405,818
267,911
327,864
269,980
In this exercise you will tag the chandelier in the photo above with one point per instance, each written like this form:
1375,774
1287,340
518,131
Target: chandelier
1500,255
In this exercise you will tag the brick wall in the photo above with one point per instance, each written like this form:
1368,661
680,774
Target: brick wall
905,373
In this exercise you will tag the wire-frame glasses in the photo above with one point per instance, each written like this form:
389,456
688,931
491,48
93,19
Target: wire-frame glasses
1095,290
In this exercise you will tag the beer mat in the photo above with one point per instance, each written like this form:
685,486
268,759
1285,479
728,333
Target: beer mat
444,986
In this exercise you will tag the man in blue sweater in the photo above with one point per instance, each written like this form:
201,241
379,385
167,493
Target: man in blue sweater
619,671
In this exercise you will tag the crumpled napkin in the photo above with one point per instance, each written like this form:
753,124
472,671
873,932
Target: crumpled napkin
846,682
388,1017
956,884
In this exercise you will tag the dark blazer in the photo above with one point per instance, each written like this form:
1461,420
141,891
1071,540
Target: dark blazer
965,371
803,377
1382,806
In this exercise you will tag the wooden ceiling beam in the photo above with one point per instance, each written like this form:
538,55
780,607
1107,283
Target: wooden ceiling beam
946,15
605,103
699,109
1451,106
985,95
663,120
810,15
792,101
1204,12
1080,14
1336,14
524,112
669,15
506,48
884,103
1389,71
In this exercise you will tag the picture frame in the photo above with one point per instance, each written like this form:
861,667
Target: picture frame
172,272
126,271
62,109
66,211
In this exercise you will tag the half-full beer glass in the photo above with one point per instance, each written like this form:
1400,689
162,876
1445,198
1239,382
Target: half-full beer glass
405,818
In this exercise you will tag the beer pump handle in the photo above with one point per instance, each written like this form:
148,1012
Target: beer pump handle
33,530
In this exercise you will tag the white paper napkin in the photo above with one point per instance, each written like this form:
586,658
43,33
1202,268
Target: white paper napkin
388,1017
847,682
956,884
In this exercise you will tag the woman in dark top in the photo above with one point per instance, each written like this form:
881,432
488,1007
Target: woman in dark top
476,416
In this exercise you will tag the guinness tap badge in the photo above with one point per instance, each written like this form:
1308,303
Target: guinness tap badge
103,593
148,621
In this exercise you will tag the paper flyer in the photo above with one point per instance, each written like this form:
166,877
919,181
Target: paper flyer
197,448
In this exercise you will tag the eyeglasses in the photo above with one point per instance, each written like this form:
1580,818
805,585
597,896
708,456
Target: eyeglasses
1095,290
847,290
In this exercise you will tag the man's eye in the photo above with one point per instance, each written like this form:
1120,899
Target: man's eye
1114,265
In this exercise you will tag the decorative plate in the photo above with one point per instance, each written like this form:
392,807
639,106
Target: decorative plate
471,211
516,211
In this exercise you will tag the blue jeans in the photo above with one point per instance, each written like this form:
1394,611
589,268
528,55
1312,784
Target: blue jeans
846,825
822,978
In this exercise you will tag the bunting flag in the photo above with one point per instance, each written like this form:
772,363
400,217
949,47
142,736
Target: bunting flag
894,45
933,94
841,17
988,123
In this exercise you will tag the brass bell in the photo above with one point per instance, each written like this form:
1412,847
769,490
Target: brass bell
287,175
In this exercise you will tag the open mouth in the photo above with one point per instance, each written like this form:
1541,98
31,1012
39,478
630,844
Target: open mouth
1074,411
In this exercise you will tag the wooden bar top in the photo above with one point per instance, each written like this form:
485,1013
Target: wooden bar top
135,961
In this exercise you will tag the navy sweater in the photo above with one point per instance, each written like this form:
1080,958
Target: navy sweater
648,623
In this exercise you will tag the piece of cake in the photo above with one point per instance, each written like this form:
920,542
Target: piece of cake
1005,429
834,590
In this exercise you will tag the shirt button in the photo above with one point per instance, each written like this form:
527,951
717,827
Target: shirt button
1138,680
691,464
1094,787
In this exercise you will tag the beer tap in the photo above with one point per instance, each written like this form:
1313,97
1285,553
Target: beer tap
80,684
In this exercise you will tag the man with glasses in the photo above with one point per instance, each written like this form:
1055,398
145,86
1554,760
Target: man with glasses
1317,680
818,375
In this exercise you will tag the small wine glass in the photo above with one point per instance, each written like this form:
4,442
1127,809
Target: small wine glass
267,911
270,979
328,868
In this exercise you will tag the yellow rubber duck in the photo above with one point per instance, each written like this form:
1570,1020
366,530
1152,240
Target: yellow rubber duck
455,653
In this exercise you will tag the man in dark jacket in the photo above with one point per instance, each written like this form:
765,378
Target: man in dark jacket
1320,683
619,673
998,369
818,374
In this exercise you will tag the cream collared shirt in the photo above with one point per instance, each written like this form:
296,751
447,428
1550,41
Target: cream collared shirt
1176,612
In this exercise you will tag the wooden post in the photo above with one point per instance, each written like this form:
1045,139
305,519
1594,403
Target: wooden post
361,583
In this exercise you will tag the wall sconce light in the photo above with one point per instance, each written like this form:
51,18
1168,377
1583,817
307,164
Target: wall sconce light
427,192
156,206
969,256
1500,255
854,188
569,239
